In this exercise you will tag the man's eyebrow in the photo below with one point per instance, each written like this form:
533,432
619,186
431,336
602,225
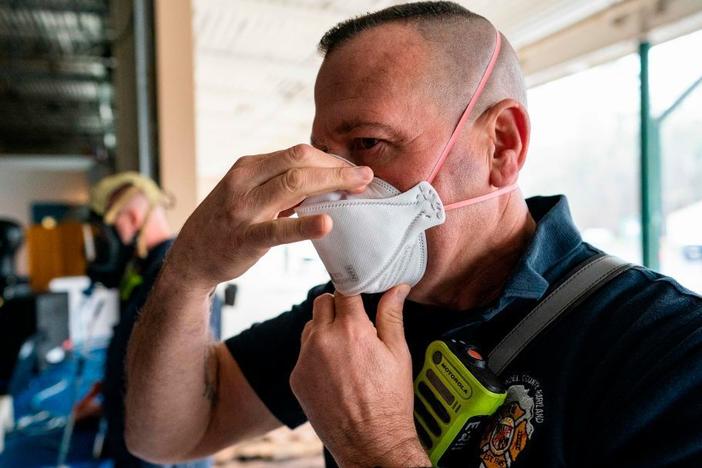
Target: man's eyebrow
347,126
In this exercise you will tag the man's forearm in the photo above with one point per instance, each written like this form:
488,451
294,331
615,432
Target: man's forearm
171,371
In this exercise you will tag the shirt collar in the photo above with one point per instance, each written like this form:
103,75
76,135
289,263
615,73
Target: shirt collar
554,239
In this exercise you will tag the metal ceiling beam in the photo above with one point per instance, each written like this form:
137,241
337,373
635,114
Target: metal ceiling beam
98,8
608,35
53,34
84,145
59,138
49,49
49,60
20,74
62,141
48,107
90,65
73,125
56,145
49,90
53,69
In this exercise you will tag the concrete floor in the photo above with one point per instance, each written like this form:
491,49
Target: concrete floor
282,448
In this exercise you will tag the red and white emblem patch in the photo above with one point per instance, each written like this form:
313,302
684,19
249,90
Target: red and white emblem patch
512,426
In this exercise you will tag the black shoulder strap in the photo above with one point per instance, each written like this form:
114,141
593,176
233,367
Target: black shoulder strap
580,284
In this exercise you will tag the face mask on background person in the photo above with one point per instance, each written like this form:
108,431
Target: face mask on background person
109,256
378,239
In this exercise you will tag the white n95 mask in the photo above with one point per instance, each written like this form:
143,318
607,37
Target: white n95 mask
378,236
378,239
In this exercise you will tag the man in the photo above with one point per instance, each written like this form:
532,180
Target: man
614,383
132,218
134,206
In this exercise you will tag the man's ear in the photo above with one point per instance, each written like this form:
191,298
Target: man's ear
509,129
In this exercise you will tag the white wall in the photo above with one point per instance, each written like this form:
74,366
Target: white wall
22,184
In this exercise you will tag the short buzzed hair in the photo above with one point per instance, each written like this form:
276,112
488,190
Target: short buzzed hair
464,40
406,12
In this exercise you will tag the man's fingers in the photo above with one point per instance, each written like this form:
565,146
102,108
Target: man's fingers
323,309
286,230
264,168
291,187
306,331
389,320
349,306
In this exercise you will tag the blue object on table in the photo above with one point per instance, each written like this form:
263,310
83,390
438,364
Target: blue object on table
41,410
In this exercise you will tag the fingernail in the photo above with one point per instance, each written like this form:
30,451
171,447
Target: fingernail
315,227
362,173
402,292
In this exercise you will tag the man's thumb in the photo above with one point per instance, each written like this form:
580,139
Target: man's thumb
388,320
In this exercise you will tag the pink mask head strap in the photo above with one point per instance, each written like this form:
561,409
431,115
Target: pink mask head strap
469,108
482,198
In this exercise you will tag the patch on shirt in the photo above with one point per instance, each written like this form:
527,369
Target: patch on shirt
510,429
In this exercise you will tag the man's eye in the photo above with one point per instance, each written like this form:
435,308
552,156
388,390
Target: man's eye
365,143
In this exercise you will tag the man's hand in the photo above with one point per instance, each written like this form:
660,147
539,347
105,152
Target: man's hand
241,218
354,382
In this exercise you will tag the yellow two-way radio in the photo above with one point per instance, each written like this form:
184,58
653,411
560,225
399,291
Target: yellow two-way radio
454,392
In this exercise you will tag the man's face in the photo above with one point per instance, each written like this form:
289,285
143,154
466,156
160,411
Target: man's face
377,105
125,226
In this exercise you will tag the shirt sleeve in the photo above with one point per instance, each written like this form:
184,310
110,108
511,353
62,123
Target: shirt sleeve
267,353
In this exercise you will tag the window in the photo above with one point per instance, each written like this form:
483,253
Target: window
585,145
676,100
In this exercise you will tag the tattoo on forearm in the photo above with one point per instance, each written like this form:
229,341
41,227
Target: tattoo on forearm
211,377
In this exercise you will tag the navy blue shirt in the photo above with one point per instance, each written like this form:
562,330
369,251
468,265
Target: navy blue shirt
615,382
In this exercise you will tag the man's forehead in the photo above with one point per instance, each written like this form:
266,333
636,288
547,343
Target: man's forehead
377,80
387,57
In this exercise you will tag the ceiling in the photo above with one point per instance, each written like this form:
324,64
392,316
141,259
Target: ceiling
256,62
55,77
255,65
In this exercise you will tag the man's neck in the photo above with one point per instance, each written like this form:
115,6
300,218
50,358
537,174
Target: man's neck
154,242
156,229
472,271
